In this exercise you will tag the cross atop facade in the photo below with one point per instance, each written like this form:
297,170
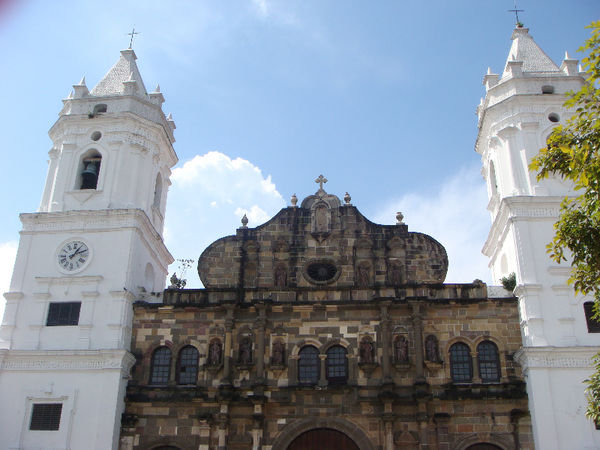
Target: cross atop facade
321,180
132,34
516,11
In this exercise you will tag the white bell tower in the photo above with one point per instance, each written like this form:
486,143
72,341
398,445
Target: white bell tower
93,248
516,116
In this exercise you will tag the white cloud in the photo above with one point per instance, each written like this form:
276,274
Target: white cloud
209,195
261,7
8,252
456,216
255,215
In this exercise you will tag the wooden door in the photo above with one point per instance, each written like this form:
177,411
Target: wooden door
323,439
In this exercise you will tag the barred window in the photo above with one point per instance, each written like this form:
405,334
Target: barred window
593,325
461,368
308,365
489,362
45,416
161,366
187,365
63,314
337,365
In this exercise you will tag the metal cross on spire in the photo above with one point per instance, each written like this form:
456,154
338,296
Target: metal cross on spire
132,34
516,11
321,180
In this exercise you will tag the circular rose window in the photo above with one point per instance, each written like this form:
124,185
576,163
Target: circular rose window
321,272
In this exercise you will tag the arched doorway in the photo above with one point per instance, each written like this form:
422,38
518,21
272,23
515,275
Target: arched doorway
483,447
323,439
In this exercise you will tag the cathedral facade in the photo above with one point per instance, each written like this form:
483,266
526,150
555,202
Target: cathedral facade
322,327
317,329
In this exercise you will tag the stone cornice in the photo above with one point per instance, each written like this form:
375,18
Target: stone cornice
96,220
556,357
37,360
524,207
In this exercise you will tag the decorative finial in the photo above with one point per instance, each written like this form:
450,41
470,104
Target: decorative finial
320,181
517,11
157,88
399,218
82,82
294,200
347,199
244,221
132,34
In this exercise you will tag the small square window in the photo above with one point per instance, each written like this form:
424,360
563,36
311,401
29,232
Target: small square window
45,416
593,325
64,313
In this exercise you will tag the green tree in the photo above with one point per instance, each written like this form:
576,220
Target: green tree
573,153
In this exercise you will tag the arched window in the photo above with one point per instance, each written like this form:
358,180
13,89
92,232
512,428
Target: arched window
489,362
157,191
461,368
337,365
161,366
493,180
100,108
89,170
308,365
187,365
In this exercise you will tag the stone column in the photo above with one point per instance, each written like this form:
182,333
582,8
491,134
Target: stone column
417,319
475,365
385,342
258,419
222,422
323,373
259,327
293,370
441,426
228,346
388,422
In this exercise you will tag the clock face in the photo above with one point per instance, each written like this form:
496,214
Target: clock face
73,256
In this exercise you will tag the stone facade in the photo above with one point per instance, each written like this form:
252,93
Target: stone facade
320,319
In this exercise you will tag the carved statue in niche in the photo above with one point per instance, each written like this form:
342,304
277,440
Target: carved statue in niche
280,276
401,350
278,353
367,351
214,352
321,219
395,273
245,355
432,351
363,276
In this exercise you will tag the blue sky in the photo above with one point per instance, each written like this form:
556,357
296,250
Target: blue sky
378,96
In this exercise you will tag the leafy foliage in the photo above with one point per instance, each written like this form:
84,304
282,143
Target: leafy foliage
572,152
509,282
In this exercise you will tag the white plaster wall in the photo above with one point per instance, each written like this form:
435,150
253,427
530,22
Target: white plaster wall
92,404
121,244
557,402
128,169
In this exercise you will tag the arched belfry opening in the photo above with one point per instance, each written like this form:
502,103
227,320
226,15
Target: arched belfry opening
89,170
157,192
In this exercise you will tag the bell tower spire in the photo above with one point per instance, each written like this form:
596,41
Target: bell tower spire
520,108
94,247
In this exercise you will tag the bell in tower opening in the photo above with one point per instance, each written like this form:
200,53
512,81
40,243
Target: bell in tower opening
89,176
